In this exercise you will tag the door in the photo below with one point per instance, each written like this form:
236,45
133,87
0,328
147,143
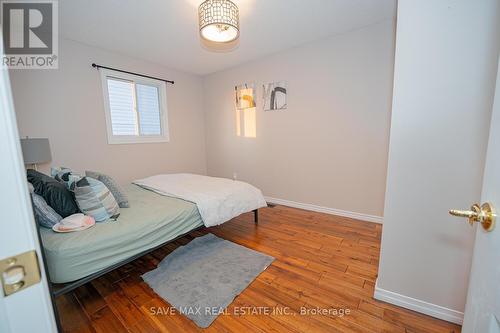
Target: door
482,311
28,306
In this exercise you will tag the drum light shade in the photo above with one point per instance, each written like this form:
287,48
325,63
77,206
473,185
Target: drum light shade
219,20
35,151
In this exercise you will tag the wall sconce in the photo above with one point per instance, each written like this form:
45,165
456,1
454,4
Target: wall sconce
250,123
246,115
246,122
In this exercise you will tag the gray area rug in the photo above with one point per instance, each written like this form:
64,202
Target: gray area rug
203,277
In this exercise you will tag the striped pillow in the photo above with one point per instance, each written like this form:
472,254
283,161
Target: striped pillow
44,214
94,199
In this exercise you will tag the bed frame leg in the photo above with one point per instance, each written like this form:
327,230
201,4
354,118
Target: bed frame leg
256,216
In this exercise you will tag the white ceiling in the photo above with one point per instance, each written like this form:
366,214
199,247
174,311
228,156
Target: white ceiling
166,31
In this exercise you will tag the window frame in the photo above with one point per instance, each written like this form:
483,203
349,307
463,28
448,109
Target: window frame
162,102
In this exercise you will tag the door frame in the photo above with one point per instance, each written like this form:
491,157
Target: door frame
20,232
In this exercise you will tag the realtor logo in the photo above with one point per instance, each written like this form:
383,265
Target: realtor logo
29,34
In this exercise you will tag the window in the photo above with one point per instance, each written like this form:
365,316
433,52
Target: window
136,108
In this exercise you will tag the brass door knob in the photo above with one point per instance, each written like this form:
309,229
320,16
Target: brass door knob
484,214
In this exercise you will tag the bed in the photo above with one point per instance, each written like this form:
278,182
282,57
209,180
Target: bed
154,219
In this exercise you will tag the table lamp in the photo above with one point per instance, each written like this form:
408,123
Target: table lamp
35,151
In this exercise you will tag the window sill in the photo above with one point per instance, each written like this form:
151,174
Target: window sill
125,140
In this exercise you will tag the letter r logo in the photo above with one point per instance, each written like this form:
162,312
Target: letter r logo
28,27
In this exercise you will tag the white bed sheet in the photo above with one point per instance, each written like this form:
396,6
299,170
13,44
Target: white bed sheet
218,199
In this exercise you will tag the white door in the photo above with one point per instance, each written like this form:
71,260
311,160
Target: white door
482,311
30,308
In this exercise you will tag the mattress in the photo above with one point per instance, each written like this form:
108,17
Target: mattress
151,220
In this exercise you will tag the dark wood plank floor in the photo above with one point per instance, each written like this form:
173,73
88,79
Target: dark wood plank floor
322,261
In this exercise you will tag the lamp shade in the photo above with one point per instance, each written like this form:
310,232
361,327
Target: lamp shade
219,20
35,150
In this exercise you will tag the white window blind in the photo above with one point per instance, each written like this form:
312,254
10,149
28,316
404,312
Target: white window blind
136,109
148,110
122,107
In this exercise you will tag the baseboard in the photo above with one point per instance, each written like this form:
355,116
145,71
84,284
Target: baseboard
417,305
327,210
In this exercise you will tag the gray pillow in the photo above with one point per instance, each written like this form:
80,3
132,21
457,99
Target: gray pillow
44,214
31,188
112,185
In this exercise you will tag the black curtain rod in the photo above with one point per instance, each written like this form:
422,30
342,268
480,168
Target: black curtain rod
127,72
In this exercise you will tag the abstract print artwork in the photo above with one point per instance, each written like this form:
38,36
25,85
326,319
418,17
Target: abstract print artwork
274,95
245,96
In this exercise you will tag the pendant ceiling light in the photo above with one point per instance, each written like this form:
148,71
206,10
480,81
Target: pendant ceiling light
219,20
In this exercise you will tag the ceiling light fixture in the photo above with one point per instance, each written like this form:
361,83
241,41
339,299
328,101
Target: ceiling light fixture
219,20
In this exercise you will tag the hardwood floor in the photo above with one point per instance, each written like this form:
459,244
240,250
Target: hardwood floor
322,261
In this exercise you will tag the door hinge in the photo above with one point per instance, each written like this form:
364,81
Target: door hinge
19,272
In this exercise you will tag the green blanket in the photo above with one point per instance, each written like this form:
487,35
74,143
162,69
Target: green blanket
151,220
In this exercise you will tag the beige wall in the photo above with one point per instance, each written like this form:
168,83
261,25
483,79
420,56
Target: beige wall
66,106
329,148
443,91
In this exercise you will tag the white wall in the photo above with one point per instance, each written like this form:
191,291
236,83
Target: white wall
329,148
66,106
445,67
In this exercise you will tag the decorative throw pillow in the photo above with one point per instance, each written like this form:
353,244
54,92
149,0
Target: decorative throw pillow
112,185
94,199
44,214
55,194
62,175
54,172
